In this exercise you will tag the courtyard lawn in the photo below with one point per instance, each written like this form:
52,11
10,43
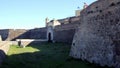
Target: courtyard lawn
47,55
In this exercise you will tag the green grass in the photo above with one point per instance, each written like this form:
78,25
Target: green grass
47,55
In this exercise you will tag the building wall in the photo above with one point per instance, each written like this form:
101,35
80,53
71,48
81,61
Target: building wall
39,33
97,39
65,36
17,33
68,20
77,12
65,32
62,30
11,34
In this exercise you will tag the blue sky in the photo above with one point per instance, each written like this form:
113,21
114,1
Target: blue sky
28,14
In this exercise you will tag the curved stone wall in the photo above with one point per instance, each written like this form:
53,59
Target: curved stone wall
98,36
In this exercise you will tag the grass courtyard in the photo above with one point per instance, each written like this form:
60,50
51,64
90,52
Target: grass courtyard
47,55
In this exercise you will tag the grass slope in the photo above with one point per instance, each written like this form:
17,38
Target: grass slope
48,55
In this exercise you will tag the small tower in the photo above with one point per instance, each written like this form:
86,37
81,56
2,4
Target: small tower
85,5
46,21
77,12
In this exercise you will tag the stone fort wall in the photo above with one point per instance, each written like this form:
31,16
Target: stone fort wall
97,38
65,33
61,33
12,35
38,33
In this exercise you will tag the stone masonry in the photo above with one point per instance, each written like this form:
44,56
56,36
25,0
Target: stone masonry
97,38
62,30
4,47
0,38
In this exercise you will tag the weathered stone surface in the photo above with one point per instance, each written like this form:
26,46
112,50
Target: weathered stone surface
38,33
97,38
0,38
64,33
4,47
13,34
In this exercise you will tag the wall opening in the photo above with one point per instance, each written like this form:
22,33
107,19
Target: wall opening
49,37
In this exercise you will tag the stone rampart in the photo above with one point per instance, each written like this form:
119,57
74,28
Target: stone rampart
39,33
13,34
65,32
97,38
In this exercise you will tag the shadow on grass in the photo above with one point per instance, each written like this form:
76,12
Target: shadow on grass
2,56
50,55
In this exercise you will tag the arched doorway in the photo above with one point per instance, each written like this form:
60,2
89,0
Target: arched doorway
49,37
